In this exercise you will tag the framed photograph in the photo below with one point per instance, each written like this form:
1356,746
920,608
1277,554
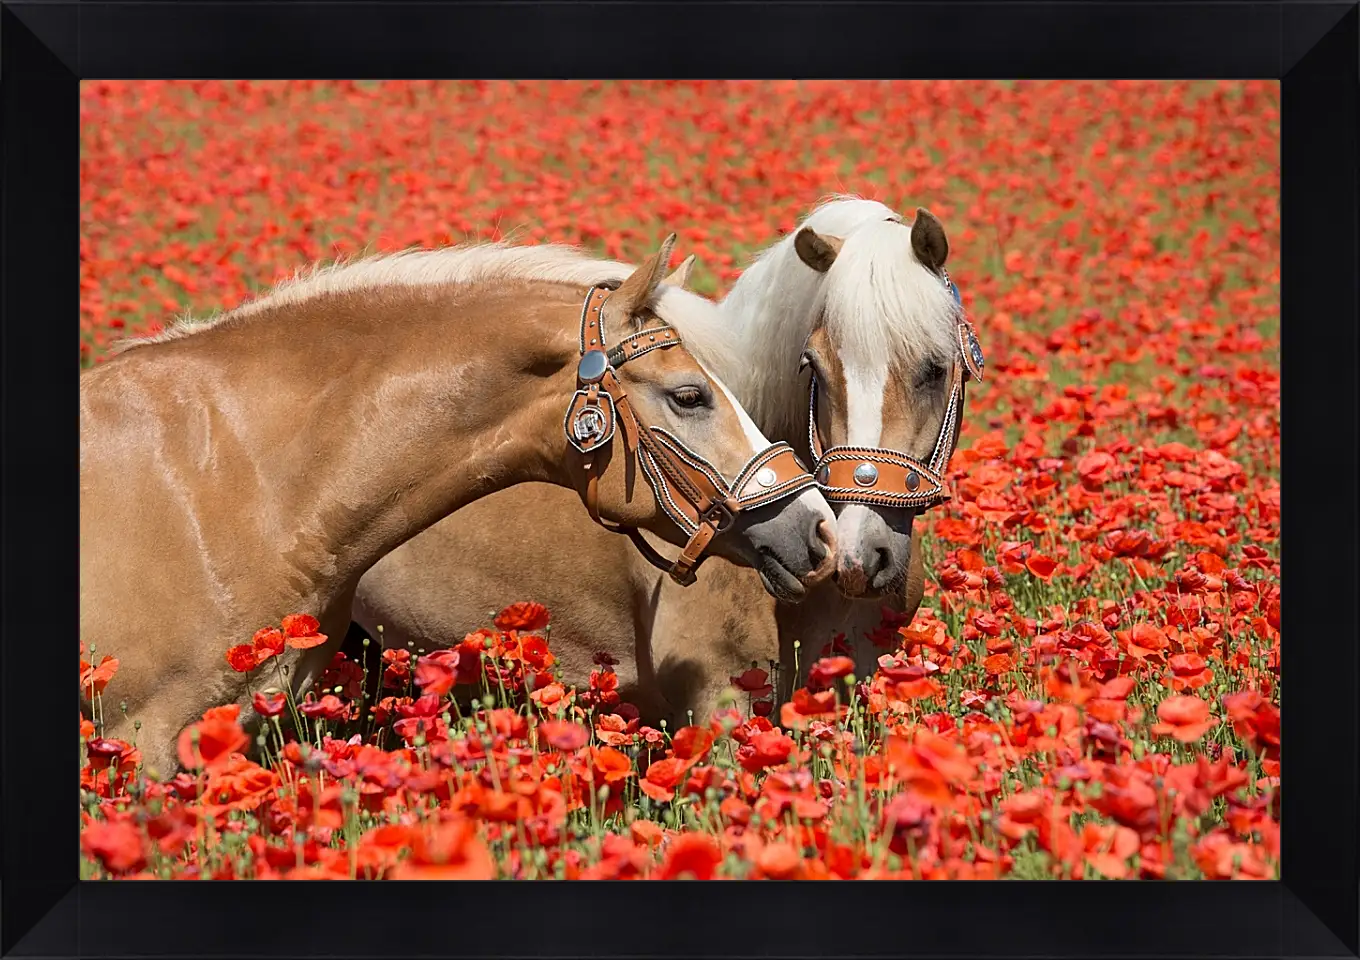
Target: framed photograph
760,442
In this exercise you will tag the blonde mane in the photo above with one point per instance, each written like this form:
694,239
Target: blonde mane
694,316
877,301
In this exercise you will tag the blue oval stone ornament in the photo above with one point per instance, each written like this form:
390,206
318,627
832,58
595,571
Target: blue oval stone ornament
971,350
592,366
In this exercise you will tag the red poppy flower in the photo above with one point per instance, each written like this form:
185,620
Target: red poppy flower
211,742
565,736
611,765
267,642
300,631
447,851
1189,671
764,750
436,674
119,847
662,778
93,680
753,681
1185,718
691,743
1041,566
269,704
522,616
827,670
780,861
998,663
690,856
329,707
242,658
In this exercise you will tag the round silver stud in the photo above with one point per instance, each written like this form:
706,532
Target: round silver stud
823,475
766,477
913,481
866,475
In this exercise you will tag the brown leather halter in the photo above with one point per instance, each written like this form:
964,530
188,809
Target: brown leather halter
690,490
878,477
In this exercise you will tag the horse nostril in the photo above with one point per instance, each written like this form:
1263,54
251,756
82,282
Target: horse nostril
822,550
823,539
879,560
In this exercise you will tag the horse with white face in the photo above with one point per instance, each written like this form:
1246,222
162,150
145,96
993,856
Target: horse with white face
257,465
856,295
887,388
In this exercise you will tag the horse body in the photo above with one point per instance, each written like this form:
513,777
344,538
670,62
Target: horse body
676,649
224,485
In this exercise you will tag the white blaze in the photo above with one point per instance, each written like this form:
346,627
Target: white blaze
864,390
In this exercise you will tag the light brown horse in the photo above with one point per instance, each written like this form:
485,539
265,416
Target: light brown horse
856,295
258,464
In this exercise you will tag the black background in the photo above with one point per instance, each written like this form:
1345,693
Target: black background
47,47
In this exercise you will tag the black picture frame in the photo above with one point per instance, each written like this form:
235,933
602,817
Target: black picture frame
46,48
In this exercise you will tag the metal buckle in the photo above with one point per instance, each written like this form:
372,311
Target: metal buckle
718,515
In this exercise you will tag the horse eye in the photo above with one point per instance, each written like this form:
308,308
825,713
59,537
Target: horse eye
931,373
688,397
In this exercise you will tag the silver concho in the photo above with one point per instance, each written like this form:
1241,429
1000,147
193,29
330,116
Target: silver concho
766,477
823,475
588,426
866,474
913,481
589,423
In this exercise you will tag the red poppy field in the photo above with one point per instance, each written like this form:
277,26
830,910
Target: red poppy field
1091,688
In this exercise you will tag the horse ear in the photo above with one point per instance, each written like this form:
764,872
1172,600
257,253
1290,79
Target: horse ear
928,241
680,275
639,290
817,251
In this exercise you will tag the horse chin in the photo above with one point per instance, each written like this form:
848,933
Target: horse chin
779,581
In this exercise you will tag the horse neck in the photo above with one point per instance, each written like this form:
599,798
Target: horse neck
436,401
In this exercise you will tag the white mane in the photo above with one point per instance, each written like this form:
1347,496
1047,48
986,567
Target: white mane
695,317
877,301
